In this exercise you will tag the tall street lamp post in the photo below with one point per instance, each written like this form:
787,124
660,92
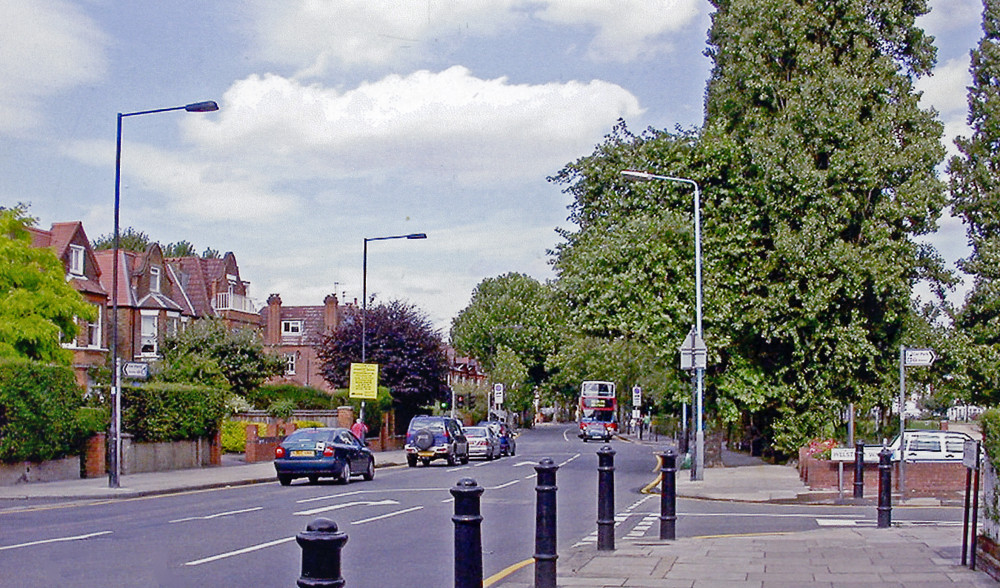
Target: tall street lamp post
116,423
698,465
364,294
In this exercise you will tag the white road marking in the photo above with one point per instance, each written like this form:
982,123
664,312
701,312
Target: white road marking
217,515
569,460
332,496
345,505
387,515
511,483
524,463
198,562
56,540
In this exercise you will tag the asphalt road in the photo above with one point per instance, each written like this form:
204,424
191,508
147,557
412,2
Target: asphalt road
399,525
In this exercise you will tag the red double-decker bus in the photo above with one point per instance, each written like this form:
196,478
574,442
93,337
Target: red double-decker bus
597,413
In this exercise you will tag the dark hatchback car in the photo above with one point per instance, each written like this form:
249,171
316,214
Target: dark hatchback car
435,437
323,453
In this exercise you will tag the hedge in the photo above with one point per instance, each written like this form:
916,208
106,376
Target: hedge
172,412
38,411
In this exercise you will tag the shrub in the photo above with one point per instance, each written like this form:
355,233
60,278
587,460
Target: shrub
234,435
281,409
307,424
38,411
172,412
302,397
989,423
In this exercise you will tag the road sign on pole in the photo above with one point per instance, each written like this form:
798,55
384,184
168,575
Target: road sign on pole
135,370
364,381
636,397
918,357
694,353
498,394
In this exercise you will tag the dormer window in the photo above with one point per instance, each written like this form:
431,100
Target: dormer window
76,260
291,327
154,279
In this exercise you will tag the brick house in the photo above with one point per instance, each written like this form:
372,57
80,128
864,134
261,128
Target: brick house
72,247
215,289
151,301
293,331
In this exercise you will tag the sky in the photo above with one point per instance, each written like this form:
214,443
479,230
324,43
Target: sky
342,120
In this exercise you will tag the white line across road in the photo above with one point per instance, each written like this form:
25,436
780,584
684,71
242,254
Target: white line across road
56,540
198,562
217,515
346,505
387,515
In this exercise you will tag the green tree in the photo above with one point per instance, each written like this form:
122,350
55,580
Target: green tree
975,191
37,305
509,371
819,173
208,352
512,311
179,249
129,239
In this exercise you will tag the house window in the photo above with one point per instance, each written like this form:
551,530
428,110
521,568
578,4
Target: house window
173,321
291,327
76,257
148,339
94,329
154,279
290,364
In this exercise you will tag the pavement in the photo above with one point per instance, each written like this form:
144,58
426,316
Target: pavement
901,556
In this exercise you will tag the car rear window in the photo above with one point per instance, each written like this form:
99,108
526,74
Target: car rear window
434,425
309,435
475,431
921,443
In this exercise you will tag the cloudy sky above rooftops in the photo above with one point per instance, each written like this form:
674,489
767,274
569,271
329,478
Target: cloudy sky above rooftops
347,119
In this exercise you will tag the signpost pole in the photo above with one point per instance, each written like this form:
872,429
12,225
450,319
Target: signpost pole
902,422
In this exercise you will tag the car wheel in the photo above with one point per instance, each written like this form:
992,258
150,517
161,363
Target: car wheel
345,474
411,460
465,458
489,455
426,461
369,474
450,459
512,450
284,479
424,439
313,479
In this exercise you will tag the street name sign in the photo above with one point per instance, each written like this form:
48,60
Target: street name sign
918,357
364,381
842,454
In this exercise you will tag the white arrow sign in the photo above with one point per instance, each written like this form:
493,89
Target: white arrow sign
918,357
135,369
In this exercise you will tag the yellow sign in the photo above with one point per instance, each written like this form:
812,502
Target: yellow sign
364,381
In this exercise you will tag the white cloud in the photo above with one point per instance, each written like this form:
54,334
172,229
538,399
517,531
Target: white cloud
314,36
947,92
49,46
422,125
949,15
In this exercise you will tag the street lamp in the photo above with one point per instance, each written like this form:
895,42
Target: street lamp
364,293
116,423
698,466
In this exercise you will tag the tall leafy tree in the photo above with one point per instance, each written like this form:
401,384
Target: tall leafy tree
512,311
819,173
37,305
402,340
129,239
975,189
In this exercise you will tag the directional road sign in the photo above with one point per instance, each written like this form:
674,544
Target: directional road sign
694,353
918,357
136,370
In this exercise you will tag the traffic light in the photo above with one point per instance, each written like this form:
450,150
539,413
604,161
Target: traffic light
460,399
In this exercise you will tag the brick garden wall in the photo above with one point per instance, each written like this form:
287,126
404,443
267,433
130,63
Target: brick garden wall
922,478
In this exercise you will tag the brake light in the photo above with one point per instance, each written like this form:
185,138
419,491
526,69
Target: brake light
328,451
279,452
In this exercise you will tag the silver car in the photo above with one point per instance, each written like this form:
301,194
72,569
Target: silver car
483,442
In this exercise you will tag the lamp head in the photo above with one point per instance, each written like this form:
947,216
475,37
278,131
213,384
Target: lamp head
417,236
637,176
208,106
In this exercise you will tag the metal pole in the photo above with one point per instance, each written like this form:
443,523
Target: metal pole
902,422
965,517
321,544
698,467
115,471
859,469
606,499
545,524
884,489
364,311
975,510
668,495
468,534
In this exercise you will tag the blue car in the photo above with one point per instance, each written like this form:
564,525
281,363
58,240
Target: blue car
323,453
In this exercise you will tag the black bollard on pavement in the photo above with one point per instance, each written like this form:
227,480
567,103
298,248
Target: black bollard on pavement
321,545
668,494
859,469
468,534
884,488
545,524
606,499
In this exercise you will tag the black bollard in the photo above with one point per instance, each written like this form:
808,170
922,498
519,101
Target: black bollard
884,489
321,545
859,469
468,534
545,524
668,494
606,499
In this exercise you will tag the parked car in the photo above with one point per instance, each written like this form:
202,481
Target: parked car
316,453
924,445
435,437
483,442
508,445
